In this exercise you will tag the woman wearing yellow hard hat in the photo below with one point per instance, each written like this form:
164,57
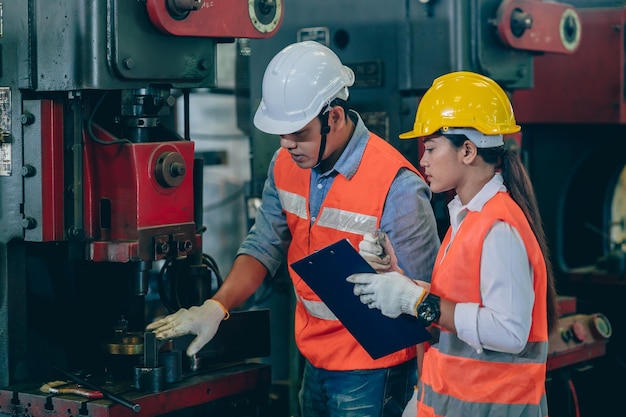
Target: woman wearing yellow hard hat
492,293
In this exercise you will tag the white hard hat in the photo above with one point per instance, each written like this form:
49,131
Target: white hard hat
298,82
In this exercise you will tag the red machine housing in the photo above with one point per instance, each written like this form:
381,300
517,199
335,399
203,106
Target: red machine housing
585,87
132,197
219,19
539,26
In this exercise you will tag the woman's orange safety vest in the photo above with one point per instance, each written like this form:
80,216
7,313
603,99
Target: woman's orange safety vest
455,379
351,208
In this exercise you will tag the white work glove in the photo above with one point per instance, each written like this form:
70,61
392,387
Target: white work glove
390,292
203,321
411,408
376,249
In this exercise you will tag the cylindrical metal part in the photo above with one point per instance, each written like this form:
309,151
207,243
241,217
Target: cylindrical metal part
149,379
172,361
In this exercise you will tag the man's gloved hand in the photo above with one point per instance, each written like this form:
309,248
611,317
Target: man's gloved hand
203,321
411,408
376,249
390,292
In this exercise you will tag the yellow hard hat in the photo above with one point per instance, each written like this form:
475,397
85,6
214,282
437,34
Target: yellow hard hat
464,100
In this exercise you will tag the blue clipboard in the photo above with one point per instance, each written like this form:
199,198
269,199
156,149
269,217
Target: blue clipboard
326,270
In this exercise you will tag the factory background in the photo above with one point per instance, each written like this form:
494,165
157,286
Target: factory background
131,170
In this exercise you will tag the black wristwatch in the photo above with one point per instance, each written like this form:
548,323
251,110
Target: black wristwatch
428,310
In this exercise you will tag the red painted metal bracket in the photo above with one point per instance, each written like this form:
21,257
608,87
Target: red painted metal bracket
220,19
535,25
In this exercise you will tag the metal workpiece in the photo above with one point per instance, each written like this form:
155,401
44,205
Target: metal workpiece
149,375
218,377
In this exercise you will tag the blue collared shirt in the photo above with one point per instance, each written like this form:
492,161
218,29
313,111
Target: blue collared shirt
407,218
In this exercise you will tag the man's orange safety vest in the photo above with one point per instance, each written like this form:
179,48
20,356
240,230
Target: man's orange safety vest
351,208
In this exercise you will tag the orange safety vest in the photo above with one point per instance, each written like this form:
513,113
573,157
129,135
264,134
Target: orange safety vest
456,380
351,208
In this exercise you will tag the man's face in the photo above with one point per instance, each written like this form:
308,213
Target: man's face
304,144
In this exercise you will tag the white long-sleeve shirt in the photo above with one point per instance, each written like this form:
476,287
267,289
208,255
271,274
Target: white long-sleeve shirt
503,322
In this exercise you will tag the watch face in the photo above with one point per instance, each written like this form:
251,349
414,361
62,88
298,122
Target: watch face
427,314
428,311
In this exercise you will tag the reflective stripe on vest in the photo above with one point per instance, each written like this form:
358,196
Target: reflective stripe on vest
456,407
316,308
347,221
450,344
293,203
333,218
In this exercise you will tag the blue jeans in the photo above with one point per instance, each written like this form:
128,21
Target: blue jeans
364,393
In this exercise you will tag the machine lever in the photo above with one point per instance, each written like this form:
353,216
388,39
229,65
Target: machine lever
107,394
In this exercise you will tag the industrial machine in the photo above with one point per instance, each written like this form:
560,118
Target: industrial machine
562,63
101,210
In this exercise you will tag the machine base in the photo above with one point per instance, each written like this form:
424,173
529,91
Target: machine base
240,390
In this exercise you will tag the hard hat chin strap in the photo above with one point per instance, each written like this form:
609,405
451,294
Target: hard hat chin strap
324,131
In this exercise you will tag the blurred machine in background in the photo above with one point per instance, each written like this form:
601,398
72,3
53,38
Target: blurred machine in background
562,63
574,131
101,209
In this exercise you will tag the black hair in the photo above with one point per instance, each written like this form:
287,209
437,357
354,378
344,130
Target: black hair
521,191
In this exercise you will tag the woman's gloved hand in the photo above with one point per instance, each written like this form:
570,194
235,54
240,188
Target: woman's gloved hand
377,250
390,292
203,321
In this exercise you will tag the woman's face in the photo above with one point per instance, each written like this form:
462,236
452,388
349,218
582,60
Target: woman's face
442,163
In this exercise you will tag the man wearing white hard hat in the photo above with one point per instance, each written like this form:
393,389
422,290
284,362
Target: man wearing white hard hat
331,179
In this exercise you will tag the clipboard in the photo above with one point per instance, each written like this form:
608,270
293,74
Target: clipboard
326,270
